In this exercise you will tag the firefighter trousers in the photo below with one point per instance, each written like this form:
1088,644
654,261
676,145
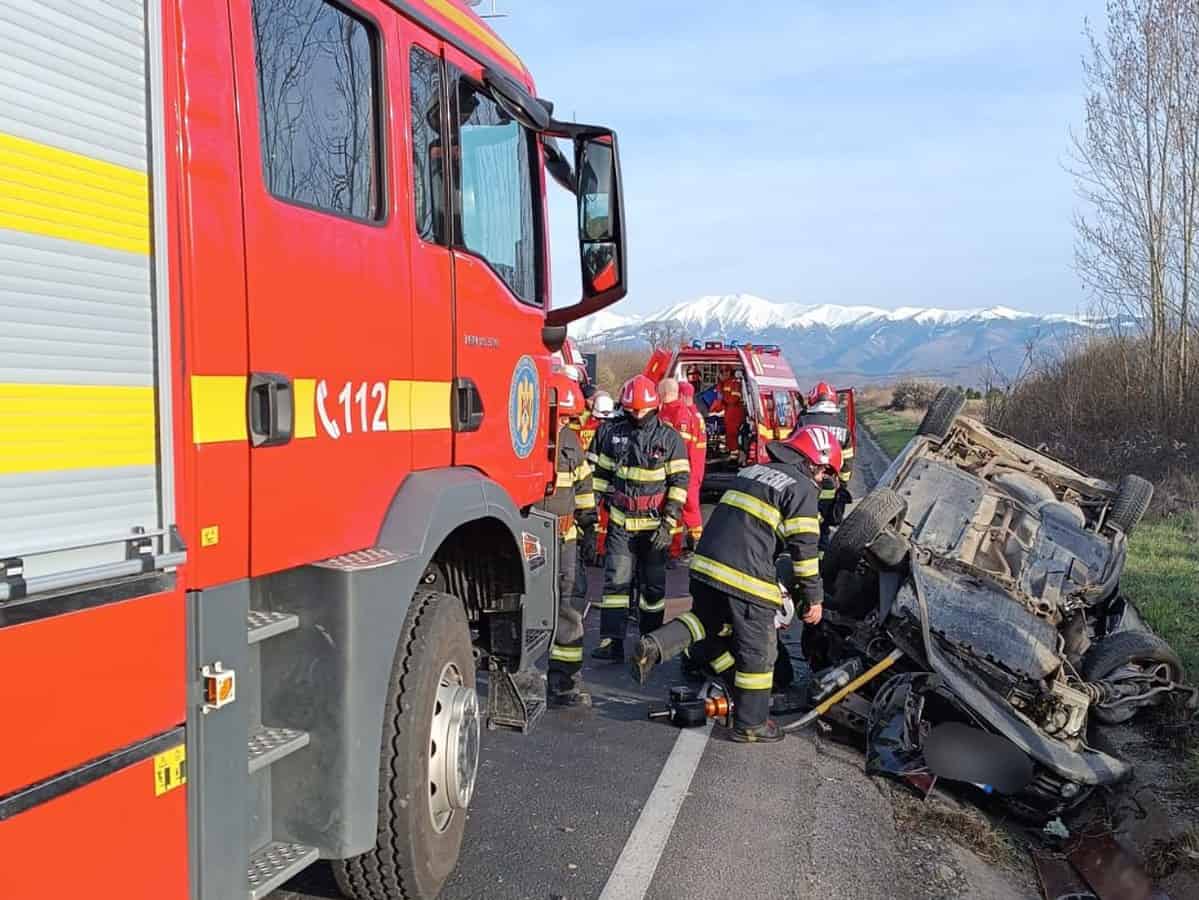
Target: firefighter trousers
566,654
628,556
732,637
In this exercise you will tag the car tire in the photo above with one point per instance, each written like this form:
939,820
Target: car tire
941,413
865,522
1133,496
1122,649
418,838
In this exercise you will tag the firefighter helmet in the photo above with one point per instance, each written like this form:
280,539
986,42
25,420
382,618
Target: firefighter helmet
822,393
639,396
570,396
687,393
602,405
815,443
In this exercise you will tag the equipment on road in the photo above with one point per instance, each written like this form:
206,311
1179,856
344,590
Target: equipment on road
865,678
688,707
275,421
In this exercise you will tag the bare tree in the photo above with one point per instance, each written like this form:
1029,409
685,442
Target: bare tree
666,333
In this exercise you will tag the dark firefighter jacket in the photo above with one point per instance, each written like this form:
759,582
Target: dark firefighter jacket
769,509
642,472
834,423
573,499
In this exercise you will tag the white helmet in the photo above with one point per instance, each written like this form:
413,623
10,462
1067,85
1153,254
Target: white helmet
602,405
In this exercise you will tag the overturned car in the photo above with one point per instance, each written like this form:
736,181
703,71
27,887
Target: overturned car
996,571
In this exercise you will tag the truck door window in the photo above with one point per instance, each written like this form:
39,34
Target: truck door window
784,410
428,158
495,191
318,104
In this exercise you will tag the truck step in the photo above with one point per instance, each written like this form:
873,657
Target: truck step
515,701
276,863
267,745
262,624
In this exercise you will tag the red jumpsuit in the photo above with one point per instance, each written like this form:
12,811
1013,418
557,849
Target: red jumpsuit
697,451
678,416
731,400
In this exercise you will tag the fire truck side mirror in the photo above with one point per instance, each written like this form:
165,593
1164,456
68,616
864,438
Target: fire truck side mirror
601,223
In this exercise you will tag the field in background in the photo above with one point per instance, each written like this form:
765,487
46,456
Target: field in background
1162,573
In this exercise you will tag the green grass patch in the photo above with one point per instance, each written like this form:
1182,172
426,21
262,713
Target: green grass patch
1162,578
891,429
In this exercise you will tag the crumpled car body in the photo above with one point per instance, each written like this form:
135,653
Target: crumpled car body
997,572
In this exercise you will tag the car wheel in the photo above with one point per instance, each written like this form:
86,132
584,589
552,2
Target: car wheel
1125,658
1132,501
864,524
944,409
430,755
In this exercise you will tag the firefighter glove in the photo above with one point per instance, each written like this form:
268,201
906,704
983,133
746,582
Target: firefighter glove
662,537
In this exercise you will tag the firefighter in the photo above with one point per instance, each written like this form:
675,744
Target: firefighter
771,507
675,413
822,409
573,501
641,475
692,517
585,424
604,410
730,398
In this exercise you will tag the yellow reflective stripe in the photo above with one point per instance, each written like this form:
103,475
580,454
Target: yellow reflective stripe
677,466
753,681
765,432
582,472
572,533
633,523
725,630
828,495
694,625
805,568
566,654
634,473
59,194
801,525
846,476
585,501
430,406
218,408
752,505
54,427
469,24
601,485
565,480
305,424
722,663
847,453
614,601
651,607
677,493
718,571
605,461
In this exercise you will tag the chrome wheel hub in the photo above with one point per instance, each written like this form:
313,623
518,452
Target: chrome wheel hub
453,747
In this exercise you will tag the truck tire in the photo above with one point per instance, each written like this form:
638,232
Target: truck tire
429,758
944,409
1121,650
1132,502
862,526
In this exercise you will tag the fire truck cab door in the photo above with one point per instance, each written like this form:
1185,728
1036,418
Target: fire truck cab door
328,285
501,365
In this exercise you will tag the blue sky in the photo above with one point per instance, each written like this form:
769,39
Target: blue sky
854,153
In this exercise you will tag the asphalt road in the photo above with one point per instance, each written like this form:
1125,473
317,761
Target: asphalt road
554,812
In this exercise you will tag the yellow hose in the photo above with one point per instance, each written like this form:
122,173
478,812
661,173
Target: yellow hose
867,676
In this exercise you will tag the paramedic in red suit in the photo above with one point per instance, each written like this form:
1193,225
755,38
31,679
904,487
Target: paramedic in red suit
698,450
730,398
674,412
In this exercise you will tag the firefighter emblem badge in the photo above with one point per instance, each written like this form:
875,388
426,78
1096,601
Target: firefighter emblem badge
524,407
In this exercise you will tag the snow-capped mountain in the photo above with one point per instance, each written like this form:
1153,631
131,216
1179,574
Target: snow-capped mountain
863,342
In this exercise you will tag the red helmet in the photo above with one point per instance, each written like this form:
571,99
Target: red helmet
639,395
822,393
570,396
815,443
687,393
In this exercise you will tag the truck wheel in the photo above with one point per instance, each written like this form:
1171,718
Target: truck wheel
944,409
1127,658
1132,501
429,759
865,522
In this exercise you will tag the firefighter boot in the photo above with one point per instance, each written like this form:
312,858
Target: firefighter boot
609,650
565,693
769,732
647,655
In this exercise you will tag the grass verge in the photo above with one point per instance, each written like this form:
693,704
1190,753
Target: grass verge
1162,578
891,429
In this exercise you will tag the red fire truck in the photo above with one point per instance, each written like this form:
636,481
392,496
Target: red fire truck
274,347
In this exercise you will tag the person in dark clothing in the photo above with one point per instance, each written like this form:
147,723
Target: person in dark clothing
822,409
641,477
770,509
573,501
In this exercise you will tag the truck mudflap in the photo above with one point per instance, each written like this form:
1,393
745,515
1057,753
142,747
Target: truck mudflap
1091,767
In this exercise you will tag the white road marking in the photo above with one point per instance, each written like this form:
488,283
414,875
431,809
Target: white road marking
634,870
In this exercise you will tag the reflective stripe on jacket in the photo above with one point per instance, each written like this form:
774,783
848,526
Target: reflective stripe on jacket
642,471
